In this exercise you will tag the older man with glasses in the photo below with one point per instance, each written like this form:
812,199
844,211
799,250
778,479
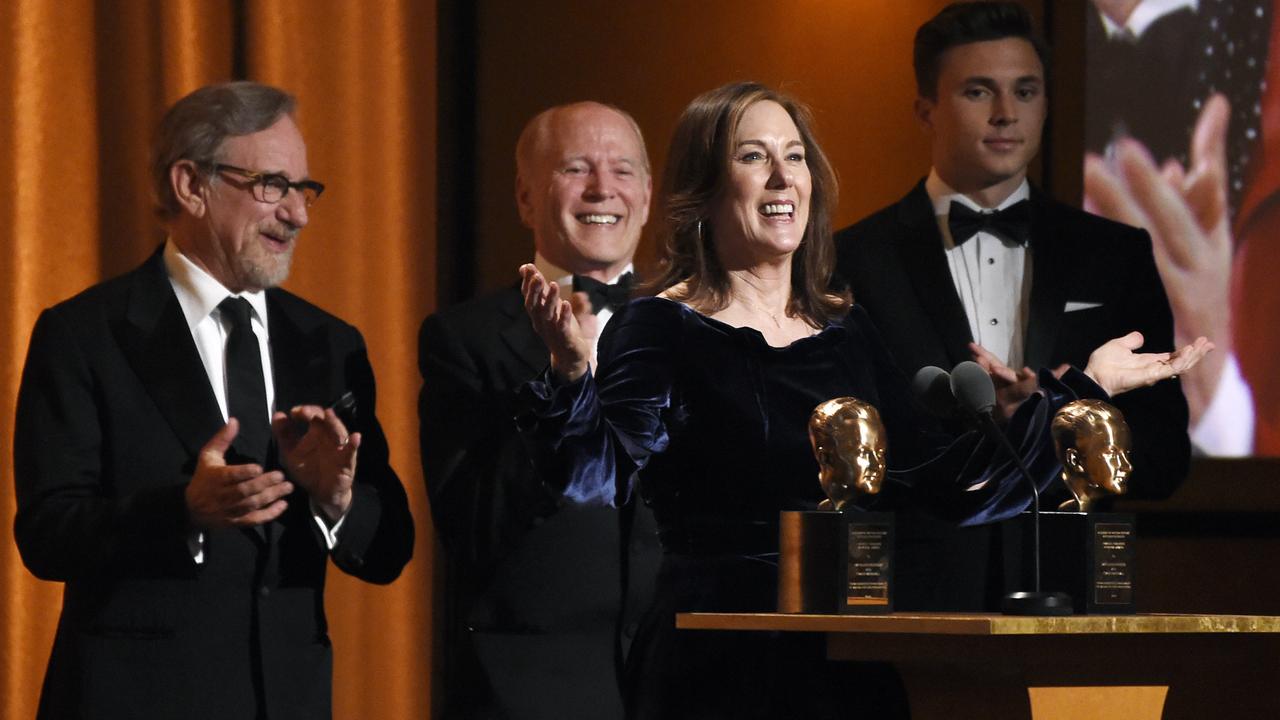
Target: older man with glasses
187,440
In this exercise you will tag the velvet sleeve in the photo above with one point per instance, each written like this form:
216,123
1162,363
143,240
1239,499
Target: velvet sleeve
591,436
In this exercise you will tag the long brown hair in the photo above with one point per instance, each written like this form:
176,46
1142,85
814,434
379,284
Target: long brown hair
696,171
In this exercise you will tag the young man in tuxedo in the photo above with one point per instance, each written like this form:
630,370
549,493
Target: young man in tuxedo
535,587
975,263
178,464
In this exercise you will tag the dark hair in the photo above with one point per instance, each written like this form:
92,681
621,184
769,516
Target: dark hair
962,23
197,125
697,165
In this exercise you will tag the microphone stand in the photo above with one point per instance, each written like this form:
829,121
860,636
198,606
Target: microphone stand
1035,602
973,388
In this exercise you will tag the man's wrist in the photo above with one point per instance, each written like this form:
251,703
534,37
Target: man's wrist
333,512
330,528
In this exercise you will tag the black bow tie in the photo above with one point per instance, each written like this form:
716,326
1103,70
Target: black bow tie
605,296
1012,223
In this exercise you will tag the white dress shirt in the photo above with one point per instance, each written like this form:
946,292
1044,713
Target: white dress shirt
198,295
990,274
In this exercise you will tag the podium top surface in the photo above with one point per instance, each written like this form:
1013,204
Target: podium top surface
982,624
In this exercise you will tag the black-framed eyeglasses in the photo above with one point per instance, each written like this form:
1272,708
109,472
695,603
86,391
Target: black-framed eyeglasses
272,187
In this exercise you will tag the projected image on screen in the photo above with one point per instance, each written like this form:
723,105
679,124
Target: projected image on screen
1182,125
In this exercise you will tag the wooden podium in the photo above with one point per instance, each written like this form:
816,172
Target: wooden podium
1080,667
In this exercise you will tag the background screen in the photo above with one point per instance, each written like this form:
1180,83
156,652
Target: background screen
1182,134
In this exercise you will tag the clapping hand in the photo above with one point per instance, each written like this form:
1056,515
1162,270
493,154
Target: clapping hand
319,455
556,322
222,495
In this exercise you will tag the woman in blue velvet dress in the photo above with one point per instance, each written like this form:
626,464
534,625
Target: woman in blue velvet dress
702,396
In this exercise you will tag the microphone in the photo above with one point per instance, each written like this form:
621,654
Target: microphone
973,389
976,394
932,387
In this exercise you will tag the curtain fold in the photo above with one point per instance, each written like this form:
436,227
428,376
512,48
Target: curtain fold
49,209
82,87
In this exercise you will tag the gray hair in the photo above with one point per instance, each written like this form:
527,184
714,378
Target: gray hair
197,125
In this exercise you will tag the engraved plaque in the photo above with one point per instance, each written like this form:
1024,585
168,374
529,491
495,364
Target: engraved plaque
1112,551
866,579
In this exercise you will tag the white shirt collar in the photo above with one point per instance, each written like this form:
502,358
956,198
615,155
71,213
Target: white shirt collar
1144,15
942,195
199,293
563,277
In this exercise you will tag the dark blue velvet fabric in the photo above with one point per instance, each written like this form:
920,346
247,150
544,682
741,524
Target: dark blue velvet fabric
710,423
713,422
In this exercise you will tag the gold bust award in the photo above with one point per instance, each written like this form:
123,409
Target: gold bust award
849,443
1092,442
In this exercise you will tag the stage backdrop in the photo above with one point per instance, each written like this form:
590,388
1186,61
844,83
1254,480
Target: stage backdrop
82,85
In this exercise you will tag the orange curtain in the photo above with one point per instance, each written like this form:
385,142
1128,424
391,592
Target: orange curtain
82,86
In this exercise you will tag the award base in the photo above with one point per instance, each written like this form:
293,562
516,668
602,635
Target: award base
835,562
1090,556
808,558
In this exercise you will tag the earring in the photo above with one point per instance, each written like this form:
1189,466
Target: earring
700,239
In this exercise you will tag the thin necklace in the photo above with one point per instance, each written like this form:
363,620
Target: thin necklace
759,309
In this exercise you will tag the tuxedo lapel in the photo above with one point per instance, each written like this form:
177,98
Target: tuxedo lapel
925,262
1049,261
158,344
517,334
299,360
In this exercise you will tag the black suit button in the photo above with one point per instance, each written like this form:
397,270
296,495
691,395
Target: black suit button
263,591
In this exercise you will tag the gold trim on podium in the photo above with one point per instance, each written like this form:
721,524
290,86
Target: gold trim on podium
982,624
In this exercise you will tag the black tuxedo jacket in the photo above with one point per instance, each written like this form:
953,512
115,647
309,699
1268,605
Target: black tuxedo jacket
896,266
113,409
534,584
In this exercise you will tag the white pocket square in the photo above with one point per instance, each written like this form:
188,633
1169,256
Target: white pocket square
1073,306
